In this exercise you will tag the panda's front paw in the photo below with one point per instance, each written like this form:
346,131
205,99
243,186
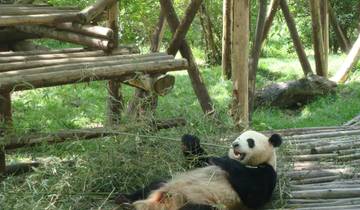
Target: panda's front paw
122,199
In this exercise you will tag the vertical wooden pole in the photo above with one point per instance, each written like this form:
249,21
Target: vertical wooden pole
317,38
5,123
240,63
226,38
274,6
324,12
115,101
296,38
255,52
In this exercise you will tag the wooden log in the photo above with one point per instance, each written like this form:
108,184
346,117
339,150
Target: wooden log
160,84
327,135
317,180
92,42
158,33
353,122
91,12
340,35
351,60
40,52
317,38
296,38
314,157
240,63
274,6
91,74
31,140
306,174
29,67
38,19
332,148
226,39
59,55
193,71
13,11
115,101
306,130
255,52
183,27
294,94
90,30
333,193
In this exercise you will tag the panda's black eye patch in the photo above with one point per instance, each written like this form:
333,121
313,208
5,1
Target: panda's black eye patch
251,143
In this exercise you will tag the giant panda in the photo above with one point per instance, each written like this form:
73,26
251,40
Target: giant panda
244,179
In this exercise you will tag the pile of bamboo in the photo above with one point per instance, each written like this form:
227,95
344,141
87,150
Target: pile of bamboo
27,70
62,23
325,172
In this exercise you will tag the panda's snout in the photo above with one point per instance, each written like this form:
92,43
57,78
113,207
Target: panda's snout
235,145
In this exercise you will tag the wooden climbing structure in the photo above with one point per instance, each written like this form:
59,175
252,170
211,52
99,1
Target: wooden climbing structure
101,58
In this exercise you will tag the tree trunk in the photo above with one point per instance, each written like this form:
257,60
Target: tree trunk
317,38
324,15
212,50
295,37
226,39
255,53
340,36
240,63
350,61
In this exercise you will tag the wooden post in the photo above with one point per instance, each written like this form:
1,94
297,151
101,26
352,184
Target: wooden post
350,61
240,56
340,35
185,50
274,6
324,13
295,37
317,38
147,99
255,53
115,100
5,123
226,39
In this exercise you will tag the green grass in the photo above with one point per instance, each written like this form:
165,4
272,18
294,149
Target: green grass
101,168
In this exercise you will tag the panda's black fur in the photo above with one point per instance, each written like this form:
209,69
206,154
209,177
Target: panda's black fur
254,187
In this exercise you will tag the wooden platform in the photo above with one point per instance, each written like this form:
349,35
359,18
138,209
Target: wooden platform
319,168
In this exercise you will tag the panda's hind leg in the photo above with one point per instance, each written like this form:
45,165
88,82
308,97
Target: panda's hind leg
139,194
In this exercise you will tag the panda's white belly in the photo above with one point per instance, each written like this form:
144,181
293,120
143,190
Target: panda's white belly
207,185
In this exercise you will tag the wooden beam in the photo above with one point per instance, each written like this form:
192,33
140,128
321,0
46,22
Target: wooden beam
296,38
240,61
43,31
226,39
317,38
115,101
185,50
255,52
90,74
38,19
350,61
184,26
274,6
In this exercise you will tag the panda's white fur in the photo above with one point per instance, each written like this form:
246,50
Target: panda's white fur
209,185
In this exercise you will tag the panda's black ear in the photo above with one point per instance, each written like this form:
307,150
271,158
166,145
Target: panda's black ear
275,140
